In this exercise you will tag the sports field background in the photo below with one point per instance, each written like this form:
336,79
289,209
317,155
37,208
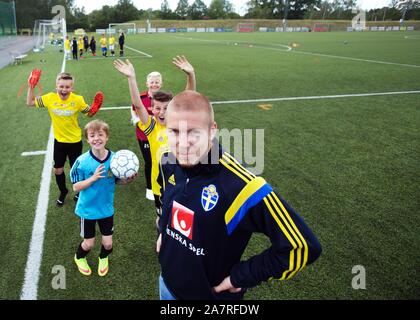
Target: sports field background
348,165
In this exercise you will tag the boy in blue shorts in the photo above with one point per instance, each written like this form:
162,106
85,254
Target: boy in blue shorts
92,177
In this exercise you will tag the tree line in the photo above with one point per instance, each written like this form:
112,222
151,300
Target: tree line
27,11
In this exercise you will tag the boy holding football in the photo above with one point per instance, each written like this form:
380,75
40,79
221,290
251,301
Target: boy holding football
92,177
64,107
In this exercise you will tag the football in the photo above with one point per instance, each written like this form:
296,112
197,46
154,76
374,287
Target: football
124,164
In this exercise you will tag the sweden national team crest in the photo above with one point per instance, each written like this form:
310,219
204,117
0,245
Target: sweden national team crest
209,197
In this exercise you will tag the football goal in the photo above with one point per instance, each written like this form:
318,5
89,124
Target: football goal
127,28
245,27
321,27
49,32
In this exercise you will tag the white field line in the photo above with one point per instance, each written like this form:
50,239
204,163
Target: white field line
229,42
33,153
356,59
33,263
312,53
111,58
336,96
135,50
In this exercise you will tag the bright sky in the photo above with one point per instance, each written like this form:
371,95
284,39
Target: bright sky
239,5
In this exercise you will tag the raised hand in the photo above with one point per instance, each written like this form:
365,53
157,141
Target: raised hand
125,68
182,63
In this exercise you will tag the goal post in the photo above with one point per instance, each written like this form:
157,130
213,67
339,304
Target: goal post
321,27
245,27
127,28
49,32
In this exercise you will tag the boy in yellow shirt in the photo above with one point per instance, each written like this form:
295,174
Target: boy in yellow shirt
67,48
154,126
111,41
103,41
80,45
64,107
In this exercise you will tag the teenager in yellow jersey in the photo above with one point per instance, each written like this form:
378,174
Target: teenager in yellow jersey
80,45
67,48
154,126
111,42
103,41
64,107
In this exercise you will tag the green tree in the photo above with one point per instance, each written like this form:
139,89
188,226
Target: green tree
100,19
275,9
220,9
165,12
198,10
265,9
125,11
79,19
27,12
182,9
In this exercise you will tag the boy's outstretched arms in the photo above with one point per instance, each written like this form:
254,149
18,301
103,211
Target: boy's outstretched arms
96,104
182,63
32,82
127,69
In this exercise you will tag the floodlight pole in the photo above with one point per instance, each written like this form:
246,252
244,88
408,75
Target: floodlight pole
149,23
286,10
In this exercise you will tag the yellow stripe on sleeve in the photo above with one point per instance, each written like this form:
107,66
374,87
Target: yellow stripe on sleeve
243,196
286,233
223,162
229,159
295,228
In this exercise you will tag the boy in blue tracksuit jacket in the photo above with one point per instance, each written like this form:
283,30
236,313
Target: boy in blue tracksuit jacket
211,207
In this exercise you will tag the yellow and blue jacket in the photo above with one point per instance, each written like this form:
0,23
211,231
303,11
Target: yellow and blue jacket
209,213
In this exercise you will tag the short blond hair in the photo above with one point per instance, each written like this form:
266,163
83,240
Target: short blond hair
154,74
96,125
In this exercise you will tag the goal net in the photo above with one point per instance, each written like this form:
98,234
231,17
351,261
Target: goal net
321,27
127,28
245,27
49,33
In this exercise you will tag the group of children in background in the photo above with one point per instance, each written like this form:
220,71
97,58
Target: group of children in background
82,45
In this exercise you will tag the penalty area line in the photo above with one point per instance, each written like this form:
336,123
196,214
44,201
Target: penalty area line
138,51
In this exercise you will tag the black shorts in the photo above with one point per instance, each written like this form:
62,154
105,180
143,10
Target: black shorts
87,227
63,150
